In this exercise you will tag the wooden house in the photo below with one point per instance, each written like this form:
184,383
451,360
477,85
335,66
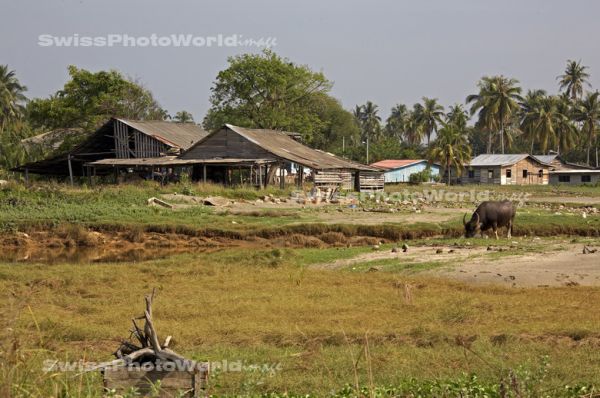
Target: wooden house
509,169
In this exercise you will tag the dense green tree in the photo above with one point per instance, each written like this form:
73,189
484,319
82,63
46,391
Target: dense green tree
496,105
183,117
89,98
573,79
267,91
451,149
457,116
587,112
339,130
371,121
414,132
12,97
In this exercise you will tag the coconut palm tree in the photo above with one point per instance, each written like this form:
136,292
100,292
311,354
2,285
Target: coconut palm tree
183,117
451,149
587,112
457,116
573,79
396,123
12,97
496,104
430,115
530,108
371,121
566,130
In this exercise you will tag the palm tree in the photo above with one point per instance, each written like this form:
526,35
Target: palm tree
413,134
566,130
451,149
530,108
183,117
496,104
573,79
396,123
430,115
371,121
587,112
457,116
11,97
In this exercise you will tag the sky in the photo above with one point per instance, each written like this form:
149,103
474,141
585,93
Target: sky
388,52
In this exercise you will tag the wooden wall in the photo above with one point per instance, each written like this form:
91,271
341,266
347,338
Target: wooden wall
227,144
130,143
502,176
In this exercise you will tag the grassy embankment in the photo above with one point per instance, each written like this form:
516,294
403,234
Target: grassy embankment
125,207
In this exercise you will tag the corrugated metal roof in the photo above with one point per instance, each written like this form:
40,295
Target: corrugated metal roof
389,164
180,135
498,160
546,158
173,161
283,146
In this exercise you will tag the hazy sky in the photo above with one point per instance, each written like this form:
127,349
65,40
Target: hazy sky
385,51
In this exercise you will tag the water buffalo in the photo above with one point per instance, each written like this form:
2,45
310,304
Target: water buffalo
491,214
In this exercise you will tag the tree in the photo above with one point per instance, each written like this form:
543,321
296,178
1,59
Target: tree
12,97
457,116
413,133
88,99
396,123
451,149
587,112
429,116
371,121
496,105
183,117
530,110
267,91
573,79
566,130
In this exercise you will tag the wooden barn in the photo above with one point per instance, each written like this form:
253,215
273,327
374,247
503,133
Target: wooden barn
264,154
517,169
121,139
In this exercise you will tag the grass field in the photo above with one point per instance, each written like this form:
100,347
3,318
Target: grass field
296,329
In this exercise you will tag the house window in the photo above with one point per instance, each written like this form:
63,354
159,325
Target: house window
508,174
541,173
471,173
564,178
524,173
586,178
490,174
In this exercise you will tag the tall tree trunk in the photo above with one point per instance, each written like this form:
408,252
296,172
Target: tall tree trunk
489,143
589,145
502,136
449,171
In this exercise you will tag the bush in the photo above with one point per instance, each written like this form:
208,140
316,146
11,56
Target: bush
421,176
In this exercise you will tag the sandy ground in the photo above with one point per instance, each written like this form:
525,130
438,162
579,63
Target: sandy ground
558,266
568,267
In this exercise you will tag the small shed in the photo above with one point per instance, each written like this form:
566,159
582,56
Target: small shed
400,170
507,169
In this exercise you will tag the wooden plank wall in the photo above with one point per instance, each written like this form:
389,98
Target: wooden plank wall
227,144
341,179
373,181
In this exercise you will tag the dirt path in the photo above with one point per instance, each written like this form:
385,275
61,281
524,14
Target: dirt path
569,267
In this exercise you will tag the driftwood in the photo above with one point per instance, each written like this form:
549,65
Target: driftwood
145,346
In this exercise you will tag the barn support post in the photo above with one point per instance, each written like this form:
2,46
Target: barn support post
117,175
281,177
267,175
260,180
26,176
70,169
300,176
204,173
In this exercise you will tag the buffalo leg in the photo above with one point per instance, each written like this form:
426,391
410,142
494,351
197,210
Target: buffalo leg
509,230
495,228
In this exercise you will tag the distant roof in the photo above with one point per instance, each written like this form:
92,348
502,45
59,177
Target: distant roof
389,164
546,158
282,145
180,135
501,160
